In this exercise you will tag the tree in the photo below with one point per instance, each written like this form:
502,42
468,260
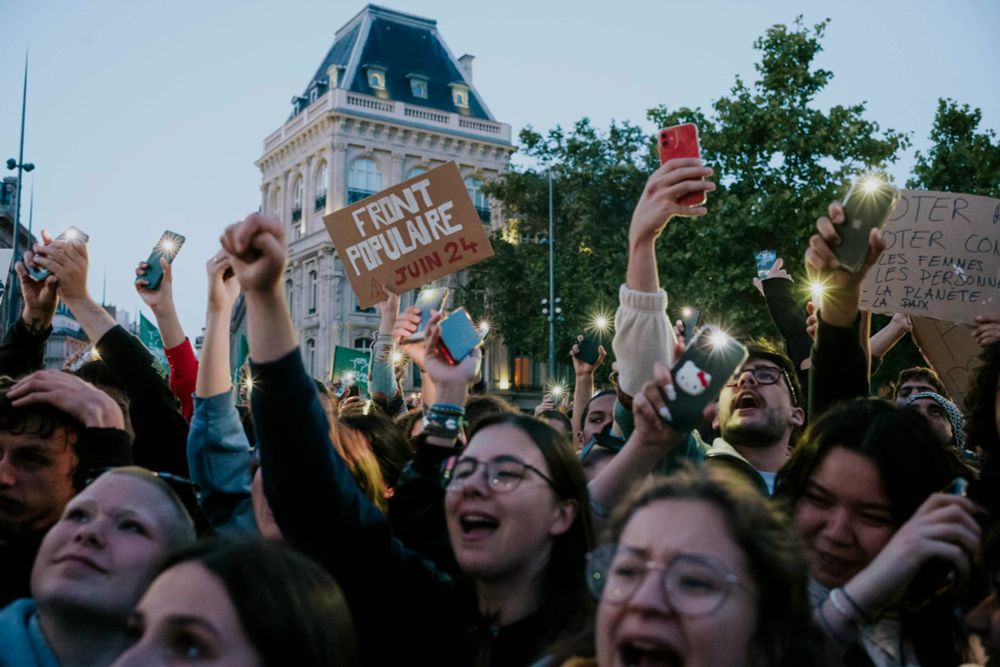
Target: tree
961,159
778,161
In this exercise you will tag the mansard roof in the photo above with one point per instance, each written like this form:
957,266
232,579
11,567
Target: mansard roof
404,47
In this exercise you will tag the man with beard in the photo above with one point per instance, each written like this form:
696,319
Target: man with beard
759,415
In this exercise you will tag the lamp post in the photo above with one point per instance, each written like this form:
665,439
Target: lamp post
21,166
553,311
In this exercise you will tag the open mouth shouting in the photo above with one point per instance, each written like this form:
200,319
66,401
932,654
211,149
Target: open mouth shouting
647,652
477,526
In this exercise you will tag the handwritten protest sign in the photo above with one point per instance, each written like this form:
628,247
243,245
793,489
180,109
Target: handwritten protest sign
408,235
942,259
949,349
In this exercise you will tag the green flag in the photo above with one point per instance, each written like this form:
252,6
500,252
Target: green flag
243,352
150,337
350,367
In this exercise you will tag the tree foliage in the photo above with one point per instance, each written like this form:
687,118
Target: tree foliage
778,161
961,159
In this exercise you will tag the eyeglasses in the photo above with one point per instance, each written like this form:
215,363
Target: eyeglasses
503,473
693,585
762,375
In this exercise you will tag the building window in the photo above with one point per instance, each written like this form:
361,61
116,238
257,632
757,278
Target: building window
276,203
363,179
363,343
321,180
376,79
522,370
290,296
460,95
312,95
479,198
299,194
359,309
416,171
418,87
313,291
311,356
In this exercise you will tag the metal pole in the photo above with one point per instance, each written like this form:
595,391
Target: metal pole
552,289
15,289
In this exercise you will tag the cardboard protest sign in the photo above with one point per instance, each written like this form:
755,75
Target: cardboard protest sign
942,259
408,235
951,350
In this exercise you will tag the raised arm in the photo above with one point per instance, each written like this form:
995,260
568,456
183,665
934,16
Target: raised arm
160,430
313,495
177,347
643,334
23,348
651,441
217,448
584,386
886,338
840,355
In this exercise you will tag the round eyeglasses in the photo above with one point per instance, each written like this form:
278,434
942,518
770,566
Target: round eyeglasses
503,473
693,585
762,375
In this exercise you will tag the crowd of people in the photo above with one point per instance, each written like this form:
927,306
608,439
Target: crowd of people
803,521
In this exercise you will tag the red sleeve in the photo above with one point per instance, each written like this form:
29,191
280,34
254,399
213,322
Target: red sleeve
183,375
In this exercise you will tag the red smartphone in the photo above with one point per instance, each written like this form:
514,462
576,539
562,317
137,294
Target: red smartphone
677,142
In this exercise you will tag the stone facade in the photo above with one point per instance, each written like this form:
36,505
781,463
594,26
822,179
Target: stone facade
344,144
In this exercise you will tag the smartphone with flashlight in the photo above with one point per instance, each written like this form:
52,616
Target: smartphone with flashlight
588,350
699,376
867,206
69,234
681,141
459,336
167,247
690,318
429,299
765,260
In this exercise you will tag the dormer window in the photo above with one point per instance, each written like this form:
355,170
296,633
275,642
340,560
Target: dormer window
333,74
460,95
376,77
418,85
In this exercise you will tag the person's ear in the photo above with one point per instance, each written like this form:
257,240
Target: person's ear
798,417
563,517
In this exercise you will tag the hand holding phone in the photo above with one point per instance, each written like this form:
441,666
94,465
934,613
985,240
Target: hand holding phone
765,260
681,141
699,375
690,318
70,234
867,206
589,348
459,336
428,300
167,247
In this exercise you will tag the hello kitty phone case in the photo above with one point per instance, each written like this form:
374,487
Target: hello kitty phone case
699,375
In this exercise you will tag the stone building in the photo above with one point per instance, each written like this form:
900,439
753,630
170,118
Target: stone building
388,102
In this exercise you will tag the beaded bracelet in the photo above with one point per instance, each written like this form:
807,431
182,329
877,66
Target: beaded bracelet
448,409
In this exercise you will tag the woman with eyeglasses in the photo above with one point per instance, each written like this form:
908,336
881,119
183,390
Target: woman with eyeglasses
700,571
516,506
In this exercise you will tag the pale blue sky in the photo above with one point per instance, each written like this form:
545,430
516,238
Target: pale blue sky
144,115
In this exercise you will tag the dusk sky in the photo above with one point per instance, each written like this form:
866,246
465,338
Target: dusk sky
145,116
